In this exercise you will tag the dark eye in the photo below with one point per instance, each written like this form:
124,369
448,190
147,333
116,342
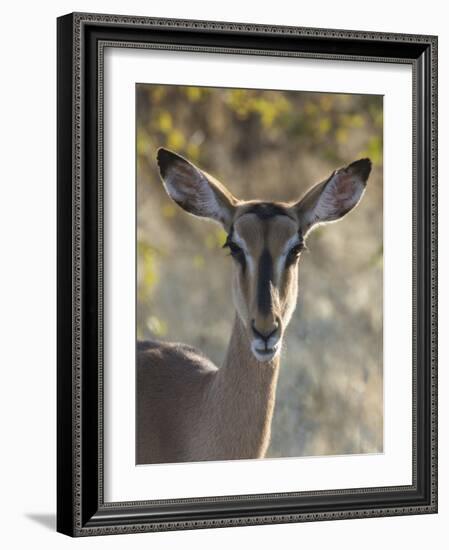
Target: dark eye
234,249
294,253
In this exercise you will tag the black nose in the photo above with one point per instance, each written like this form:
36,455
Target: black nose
265,336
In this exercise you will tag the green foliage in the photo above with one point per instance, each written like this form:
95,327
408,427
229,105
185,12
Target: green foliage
374,149
184,118
268,107
148,279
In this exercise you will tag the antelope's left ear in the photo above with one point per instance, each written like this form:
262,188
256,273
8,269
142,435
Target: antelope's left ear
331,199
194,190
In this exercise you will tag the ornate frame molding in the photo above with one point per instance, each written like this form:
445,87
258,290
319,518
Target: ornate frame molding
81,41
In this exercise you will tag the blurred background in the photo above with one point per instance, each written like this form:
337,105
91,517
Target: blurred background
271,145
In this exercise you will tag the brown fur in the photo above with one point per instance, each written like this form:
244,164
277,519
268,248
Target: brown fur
187,408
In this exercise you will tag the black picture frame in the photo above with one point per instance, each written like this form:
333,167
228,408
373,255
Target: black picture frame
81,509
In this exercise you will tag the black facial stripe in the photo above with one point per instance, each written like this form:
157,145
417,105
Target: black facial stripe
263,284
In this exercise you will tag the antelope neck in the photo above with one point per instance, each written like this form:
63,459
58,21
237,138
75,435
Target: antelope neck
240,362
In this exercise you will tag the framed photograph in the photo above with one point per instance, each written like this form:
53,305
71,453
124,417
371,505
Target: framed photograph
247,278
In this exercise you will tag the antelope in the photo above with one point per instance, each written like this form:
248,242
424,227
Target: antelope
188,409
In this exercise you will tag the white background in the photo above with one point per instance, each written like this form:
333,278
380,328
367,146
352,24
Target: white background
123,481
28,322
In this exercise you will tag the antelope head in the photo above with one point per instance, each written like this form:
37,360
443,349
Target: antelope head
265,239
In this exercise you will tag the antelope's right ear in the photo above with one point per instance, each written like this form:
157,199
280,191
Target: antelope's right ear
194,190
333,198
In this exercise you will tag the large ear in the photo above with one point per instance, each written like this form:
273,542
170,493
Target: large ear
331,199
194,190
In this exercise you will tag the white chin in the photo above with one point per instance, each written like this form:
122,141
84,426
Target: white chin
264,355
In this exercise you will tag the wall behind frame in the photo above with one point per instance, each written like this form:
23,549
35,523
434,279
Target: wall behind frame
27,289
